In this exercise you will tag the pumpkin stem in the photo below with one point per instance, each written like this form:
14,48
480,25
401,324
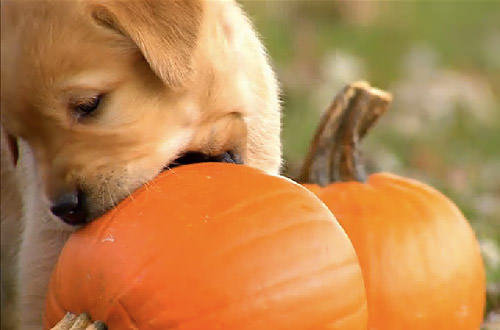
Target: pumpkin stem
334,154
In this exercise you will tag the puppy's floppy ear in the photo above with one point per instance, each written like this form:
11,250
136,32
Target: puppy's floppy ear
165,31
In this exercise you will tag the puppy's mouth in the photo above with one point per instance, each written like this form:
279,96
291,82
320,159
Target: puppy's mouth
198,157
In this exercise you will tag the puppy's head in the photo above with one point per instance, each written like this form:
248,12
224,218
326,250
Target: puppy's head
107,94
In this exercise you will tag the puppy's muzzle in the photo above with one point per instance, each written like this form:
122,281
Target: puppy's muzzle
70,207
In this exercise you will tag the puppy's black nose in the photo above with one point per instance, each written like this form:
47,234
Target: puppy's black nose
69,207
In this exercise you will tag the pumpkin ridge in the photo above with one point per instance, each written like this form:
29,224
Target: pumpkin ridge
303,222
429,198
431,195
352,314
400,185
255,200
131,320
117,297
395,179
268,236
250,299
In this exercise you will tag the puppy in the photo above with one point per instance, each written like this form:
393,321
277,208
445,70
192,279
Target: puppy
98,97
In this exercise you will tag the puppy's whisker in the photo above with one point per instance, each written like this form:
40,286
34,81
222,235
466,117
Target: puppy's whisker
129,194
147,186
110,195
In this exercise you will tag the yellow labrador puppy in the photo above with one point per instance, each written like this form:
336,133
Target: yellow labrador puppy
98,97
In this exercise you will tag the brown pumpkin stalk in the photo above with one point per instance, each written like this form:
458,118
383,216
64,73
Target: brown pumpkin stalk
334,153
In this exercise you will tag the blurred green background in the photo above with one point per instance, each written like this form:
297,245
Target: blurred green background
441,61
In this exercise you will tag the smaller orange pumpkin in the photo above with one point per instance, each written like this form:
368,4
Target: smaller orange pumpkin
212,246
420,259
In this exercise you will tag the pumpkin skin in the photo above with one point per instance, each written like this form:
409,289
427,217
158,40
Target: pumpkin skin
419,256
212,246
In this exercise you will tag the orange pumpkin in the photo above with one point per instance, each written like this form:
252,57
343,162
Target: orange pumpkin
212,246
420,259
419,256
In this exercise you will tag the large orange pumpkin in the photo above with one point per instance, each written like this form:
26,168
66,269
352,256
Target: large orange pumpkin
419,256
212,246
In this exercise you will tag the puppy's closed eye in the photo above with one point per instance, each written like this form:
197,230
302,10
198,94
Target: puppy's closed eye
83,107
